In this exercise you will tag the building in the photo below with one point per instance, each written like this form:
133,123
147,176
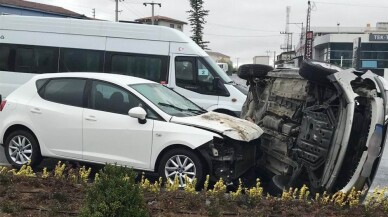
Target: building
26,8
163,21
219,57
336,45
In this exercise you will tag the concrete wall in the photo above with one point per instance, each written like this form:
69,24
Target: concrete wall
23,12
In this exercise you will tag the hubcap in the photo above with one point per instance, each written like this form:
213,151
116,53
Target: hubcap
20,150
182,167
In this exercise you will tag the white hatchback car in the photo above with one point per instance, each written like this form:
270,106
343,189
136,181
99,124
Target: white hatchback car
106,118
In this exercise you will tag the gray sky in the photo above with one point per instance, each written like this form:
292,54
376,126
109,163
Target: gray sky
243,28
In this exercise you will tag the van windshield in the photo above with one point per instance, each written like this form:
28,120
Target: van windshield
218,70
168,100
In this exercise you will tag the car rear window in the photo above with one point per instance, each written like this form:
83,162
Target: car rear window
68,91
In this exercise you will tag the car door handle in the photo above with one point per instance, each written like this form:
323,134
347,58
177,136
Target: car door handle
36,111
91,118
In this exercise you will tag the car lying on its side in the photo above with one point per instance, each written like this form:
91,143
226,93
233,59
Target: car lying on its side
106,118
323,126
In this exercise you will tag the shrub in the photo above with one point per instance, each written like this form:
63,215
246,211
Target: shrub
115,193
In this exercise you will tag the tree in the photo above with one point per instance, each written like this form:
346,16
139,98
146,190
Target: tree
197,20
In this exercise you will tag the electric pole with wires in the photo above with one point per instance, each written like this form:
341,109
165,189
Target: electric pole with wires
153,9
117,9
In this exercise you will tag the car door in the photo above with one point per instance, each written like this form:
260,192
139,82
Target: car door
110,135
194,80
56,114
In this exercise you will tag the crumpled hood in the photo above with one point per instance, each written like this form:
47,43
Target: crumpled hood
229,126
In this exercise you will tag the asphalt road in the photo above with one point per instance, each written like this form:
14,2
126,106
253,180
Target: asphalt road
381,178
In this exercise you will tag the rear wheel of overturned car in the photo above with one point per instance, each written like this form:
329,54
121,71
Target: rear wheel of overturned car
317,71
183,164
22,148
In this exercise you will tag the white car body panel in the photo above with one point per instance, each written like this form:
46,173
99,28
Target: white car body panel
116,138
237,129
77,133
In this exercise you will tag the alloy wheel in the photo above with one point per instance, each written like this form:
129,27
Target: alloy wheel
20,149
182,167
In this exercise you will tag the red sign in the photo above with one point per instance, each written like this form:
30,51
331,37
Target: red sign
308,48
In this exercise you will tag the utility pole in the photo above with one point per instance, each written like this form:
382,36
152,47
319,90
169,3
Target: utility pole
94,13
153,9
237,62
117,9
308,35
274,58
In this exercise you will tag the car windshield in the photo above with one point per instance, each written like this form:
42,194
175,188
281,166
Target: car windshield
168,100
218,70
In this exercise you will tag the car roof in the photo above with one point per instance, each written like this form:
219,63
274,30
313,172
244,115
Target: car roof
114,78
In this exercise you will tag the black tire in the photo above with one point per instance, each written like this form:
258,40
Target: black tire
317,71
250,71
198,163
35,157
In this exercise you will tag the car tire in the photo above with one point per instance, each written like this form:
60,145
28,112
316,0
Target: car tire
22,148
167,170
250,71
317,71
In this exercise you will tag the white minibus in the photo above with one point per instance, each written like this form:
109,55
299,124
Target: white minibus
35,45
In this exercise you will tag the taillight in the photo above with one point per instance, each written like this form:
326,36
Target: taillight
2,105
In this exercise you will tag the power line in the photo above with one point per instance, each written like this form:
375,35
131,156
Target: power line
244,36
353,5
247,29
153,9
136,14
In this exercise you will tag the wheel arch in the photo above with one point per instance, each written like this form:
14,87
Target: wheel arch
16,127
175,146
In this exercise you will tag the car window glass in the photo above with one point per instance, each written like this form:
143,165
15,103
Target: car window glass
78,60
4,57
46,60
205,77
110,98
184,72
24,60
139,66
66,91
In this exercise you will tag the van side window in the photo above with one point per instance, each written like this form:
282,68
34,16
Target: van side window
184,71
192,74
28,59
68,91
7,59
25,60
154,68
80,60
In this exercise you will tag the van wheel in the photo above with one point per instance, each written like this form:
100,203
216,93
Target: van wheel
181,163
22,148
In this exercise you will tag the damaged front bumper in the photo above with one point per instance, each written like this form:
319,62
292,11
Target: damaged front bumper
229,159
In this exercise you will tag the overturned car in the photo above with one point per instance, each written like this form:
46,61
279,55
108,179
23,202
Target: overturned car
323,126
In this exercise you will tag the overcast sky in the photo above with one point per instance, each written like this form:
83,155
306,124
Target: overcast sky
243,28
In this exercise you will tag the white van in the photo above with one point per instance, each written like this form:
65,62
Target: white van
35,45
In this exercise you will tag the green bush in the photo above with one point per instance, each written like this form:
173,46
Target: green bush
115,193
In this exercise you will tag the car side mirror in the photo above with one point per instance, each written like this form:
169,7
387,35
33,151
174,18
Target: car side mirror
139,113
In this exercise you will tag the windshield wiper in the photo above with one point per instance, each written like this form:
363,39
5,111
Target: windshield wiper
171,106
196,110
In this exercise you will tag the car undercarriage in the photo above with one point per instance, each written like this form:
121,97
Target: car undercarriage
322,127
